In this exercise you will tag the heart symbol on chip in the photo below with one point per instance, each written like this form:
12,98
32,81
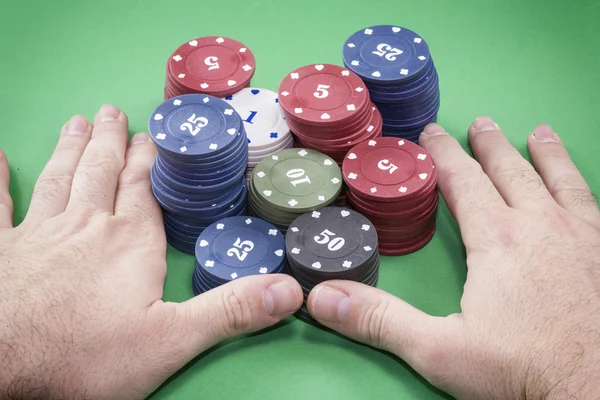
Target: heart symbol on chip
319,67
345,213
396,29
158,117
204,86
255,91
232,131
194,43
220,40
366,227
325,116
352,156
203,243
231,82
267,193
263,270
213,146
423,176
376,74
403,189
328,162
316,265
279,253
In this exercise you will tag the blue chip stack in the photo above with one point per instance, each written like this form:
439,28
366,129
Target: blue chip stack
198,175
236,247
399,73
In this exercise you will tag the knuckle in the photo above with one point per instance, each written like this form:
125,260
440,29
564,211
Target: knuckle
237,312
101,157
462,172
371,323
135,175
573,194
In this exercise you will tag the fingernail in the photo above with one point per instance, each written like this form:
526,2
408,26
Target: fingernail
108,112
77,125
330,304
434,130
483,124
138,138
545,134
280,298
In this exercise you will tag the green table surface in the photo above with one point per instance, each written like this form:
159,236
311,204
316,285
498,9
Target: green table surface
522,62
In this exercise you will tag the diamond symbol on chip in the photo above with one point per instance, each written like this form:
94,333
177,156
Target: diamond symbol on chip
359,89
220,226
373,190
220,40
422,156
345,213
350,107
273,232
294,229
351,45
161,136
352,175
248,221
423,176
418,40
335,181
367,248
315,214
293,203
325,116
294,75
279,253
158,117
298,110
234,275
372,143
263,270
365,227
247,67
422,58
204,85
177,102
302,152
316,265
403,189
260,174
368,31
356,63
209,263
396,29
183,149
285,93
181,76
193,43
214,205
376,74
321,198
231,82
274,157
403,71
213,146
345,73
347,264
295,250
401,143
243,50
231,131
352,156
203,243
370,128
267,193
327,162
177,58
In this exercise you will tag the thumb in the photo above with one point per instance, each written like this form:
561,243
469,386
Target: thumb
379,319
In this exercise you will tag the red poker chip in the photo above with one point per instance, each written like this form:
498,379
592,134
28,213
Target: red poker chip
387,169
397,249
211,65
322,95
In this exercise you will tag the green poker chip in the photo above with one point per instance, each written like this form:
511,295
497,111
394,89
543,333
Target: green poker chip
297,181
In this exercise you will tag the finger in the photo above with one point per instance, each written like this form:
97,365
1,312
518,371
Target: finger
53,188
374,317
6,204
514,177
134,193
468,192
242,306
561,176
95,181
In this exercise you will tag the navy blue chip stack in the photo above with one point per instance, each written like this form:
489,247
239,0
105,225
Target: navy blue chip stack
398,70
198,175
236,247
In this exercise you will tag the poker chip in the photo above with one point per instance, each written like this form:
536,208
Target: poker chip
213,65
264,121
198,174
328,109
393,182
291,182
397,68
331,243
235,247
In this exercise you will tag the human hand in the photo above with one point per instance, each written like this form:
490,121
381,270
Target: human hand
530,321
81,279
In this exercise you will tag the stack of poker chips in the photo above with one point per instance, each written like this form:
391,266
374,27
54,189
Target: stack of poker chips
213,65
328,109
236,247
331,243
397,68
198,175
393,182
292,182
265,124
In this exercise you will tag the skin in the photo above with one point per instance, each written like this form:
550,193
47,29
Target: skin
93,232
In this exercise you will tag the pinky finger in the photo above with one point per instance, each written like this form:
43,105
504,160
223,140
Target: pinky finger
6,204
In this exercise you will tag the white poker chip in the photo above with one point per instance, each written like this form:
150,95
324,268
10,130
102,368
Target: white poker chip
263,117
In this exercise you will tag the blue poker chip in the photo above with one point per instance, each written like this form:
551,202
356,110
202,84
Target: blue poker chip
235,247
386,54
194,125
